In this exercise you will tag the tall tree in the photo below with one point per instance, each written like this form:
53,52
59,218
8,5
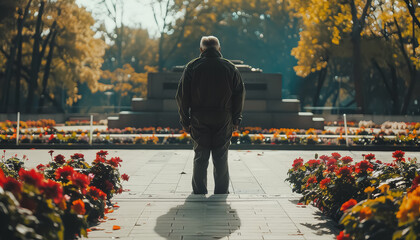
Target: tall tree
56,49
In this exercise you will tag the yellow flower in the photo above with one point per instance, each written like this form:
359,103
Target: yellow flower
410,207
369,190
384,188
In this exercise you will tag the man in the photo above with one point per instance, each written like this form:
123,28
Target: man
210,99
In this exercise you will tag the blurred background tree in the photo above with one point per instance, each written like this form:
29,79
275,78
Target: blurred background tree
358,56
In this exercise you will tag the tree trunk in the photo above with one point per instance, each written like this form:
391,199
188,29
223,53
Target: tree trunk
407,97
36,60
160,52
47,72
8,77
321,79
356,39
357,68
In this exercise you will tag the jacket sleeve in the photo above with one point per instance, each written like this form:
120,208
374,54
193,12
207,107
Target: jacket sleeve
183,97
238,97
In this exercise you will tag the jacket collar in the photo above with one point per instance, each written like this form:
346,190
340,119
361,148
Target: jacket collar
211,52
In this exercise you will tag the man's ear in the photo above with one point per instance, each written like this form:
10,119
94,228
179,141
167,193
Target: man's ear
201,50
220,49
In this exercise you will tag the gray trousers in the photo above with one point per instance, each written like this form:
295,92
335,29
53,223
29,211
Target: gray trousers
220,171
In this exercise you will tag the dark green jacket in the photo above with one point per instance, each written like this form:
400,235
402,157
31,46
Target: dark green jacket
210,84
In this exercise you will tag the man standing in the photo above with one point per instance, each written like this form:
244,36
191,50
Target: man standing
210,99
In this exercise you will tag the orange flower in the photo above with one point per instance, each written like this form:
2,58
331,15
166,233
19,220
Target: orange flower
349,204
116,227
365,213
78,206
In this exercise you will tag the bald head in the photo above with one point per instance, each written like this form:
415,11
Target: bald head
209,42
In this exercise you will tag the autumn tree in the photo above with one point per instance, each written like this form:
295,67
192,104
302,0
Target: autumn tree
397,62
341,21
51,46
126,82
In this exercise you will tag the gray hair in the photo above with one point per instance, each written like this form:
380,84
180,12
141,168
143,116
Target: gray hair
209,42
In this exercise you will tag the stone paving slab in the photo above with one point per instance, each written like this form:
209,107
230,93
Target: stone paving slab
159,204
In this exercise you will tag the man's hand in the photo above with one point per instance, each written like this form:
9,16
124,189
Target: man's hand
235,127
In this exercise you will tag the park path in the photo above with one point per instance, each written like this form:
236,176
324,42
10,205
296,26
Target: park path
159,205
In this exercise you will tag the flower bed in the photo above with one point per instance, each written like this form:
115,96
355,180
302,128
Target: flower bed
28,124
368,198
59,200
247,135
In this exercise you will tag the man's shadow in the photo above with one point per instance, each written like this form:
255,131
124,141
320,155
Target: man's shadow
199,218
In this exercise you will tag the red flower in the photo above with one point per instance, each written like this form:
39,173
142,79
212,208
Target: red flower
416,183
343,236
12,185
297,163
2,177
51,137
60,159
344,171
102,153
64,172
378,161
331,168
32,177
324,182
370,156
115,162
314,163
53,190
108,185
349,204
364,166
78,206
51,152
347,159
125,177
311,180
398,154
99,159
96,193
80,180
77,156
324,158
336,155
41,167
331,161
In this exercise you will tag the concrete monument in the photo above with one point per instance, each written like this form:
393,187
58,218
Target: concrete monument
264,106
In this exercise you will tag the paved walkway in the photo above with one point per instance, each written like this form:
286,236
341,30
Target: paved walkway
159,204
